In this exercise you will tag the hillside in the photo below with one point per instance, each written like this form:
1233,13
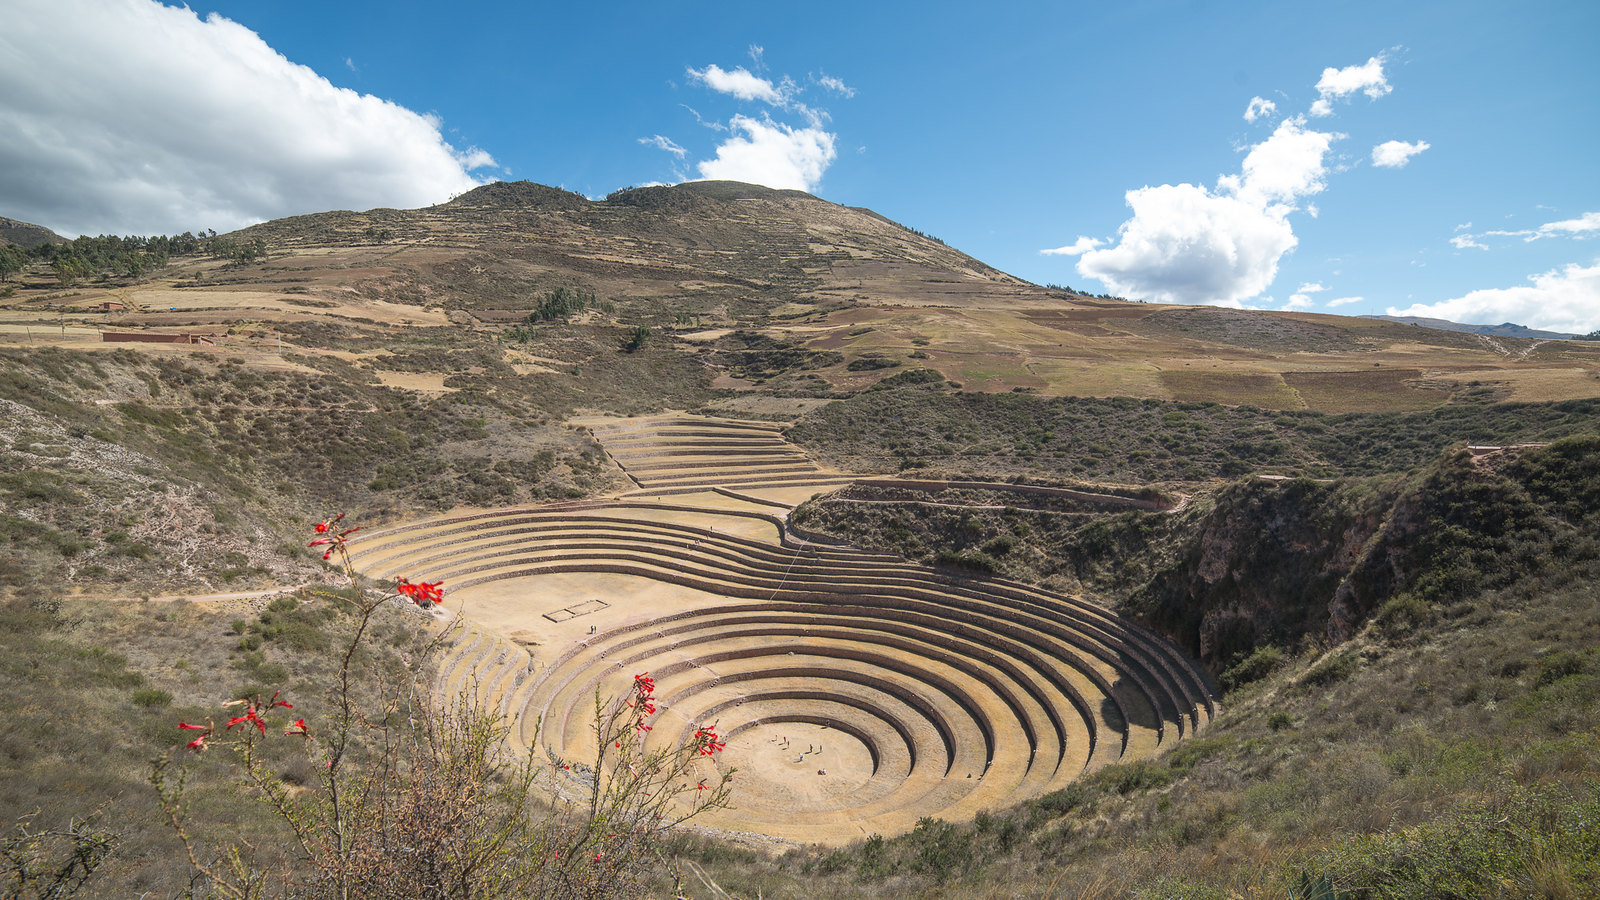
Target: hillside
26,235
780,293
1148,574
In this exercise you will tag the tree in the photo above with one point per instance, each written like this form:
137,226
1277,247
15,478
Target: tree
12,260
636,338
69,269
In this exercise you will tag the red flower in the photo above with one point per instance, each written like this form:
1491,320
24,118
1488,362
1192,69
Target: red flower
701,786
283,703
644,684
422,594
299,727
337,541
708,741
249,718
199,743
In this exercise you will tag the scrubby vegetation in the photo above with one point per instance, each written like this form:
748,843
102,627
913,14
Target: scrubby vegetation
1136,441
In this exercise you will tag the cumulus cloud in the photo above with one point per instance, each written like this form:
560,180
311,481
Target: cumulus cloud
135,117
1395,154
1188,244
1258,108
664,143
1081,245
739,83
772,154
1565,300
1336,84
765,150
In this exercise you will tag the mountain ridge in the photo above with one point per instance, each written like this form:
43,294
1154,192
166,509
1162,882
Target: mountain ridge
1504,329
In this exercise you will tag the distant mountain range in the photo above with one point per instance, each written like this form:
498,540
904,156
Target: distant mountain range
1505,329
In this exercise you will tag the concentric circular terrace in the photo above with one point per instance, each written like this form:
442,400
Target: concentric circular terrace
858,692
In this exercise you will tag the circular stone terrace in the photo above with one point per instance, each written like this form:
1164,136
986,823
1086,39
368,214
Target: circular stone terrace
858,692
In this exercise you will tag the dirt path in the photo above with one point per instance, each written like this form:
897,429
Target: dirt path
215,598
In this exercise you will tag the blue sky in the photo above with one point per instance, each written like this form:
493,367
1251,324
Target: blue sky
1427,158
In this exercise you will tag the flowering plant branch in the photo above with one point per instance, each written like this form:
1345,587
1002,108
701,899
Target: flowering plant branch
422,798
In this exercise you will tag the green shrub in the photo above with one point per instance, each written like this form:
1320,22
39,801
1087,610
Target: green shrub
1563,664
976,560
1401,615
1524,843
1261,662
151,698
1331,670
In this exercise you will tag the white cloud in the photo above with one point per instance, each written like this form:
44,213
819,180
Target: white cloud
1344,301
1188,244
1258,108
1565,300
739,83
772,154
837,86
763,150
1395,154
134,117
1586,225
664,143
1081,245
1336,84
1301,299
1285,166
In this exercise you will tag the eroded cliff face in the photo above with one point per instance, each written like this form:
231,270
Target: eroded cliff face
1293,562
1265,564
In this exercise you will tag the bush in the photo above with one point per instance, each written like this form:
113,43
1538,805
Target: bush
1563,664
975,560
1331,670
151,698
1263,661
